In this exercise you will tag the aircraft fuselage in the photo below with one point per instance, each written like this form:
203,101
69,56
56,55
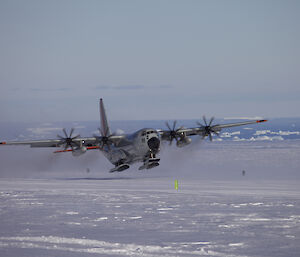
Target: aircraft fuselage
139,146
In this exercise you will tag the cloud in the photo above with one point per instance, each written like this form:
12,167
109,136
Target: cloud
121,87
62,89
101,87
165,86
131,87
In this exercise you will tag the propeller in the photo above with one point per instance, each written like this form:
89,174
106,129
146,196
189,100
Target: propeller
208,129
68,140
105,139
173,133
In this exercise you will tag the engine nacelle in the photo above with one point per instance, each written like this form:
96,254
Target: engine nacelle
183,142
79,151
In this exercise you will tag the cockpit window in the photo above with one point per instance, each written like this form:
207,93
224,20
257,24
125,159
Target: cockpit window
148,132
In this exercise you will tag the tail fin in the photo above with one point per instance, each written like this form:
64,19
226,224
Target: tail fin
104,127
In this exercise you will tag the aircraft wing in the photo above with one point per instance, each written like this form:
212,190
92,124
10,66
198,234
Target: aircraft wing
229,125
204,130
82,141
35,143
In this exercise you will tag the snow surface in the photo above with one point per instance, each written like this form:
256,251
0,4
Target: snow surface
143,216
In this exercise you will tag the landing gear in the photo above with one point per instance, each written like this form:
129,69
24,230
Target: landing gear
152,156
120,166
150,163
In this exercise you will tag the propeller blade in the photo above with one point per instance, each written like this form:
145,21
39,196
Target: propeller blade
208,129
75,137
68,141
199,124
211,120
215,132
71,132
178,129
65,132
205,121
60,137
167,124
100,131
174,125
106,132
173,132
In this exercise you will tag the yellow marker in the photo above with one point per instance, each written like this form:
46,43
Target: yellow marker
176,184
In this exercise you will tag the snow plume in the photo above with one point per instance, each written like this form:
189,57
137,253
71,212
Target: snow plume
23,161
202,159
226,160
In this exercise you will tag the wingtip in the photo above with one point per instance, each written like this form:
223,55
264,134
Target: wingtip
259,121
2,143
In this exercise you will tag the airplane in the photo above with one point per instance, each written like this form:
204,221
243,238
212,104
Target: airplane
126,149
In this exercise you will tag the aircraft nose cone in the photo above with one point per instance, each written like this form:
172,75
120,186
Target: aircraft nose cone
153,144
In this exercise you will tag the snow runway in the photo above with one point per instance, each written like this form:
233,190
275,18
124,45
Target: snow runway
128,216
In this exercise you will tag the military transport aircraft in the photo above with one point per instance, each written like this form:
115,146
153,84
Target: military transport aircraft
124,150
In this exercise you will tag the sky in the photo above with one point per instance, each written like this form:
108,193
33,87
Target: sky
148,59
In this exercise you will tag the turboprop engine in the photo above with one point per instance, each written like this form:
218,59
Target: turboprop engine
79,151
183,141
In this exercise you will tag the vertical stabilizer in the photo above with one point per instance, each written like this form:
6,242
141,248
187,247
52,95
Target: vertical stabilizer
104,127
